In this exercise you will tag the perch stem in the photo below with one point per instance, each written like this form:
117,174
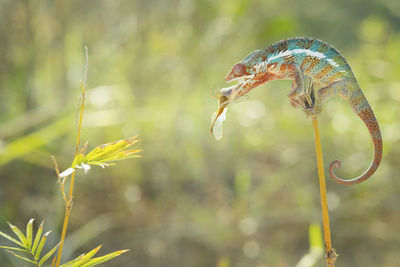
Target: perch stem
68,204
330,252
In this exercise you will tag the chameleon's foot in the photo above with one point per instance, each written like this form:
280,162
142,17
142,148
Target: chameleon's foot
314,110
302,93
309,102
295,102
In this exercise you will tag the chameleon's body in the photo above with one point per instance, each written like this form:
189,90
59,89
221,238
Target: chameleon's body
318,72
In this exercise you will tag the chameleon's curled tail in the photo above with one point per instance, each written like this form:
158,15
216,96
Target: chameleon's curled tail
362,108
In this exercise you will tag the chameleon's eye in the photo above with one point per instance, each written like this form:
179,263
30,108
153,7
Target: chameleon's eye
236,72
239,70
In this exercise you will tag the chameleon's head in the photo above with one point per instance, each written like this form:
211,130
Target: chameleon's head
249,72
249,67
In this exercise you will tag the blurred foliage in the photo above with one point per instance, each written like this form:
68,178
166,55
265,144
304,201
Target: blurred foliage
31,248
247,200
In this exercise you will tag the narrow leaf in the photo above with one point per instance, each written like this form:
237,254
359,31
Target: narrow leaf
20,235
37,238
48,255
29,230
11,239
70,263
41,244
12,248
122,155
87,257
98,260
106,149
21,257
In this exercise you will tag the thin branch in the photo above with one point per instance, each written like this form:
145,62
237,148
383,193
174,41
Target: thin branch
86,69
68,206
330,253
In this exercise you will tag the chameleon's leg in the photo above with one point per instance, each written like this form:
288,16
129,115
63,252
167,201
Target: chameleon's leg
297,88
307,97
309,92
298,82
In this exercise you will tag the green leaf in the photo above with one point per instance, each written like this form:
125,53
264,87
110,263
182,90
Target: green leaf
70,263
20,235
29,230
37,238
12,248
41,244
122,155
87,257
48,255
21,257
11,239
102,152
98,260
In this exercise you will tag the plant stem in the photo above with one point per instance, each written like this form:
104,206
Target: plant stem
330,252
68,204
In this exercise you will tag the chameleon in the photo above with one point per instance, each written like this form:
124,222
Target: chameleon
318,71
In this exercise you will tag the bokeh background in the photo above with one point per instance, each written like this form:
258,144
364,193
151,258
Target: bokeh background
248,200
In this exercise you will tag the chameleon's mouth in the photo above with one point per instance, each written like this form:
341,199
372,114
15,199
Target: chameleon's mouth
229,92
238,89
240,80
227,96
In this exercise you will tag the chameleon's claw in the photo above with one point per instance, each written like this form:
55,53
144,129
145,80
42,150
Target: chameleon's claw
309,103
294,102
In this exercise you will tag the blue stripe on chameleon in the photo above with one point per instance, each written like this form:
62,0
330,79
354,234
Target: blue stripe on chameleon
331,52
315,46
292,44
278,60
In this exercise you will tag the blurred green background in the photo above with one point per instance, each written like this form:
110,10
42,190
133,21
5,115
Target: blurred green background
247,200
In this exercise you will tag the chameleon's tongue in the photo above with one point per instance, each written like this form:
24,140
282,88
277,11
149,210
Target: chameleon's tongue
217,120
219,117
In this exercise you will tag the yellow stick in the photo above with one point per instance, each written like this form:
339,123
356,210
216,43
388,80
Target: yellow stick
330,252
68,204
